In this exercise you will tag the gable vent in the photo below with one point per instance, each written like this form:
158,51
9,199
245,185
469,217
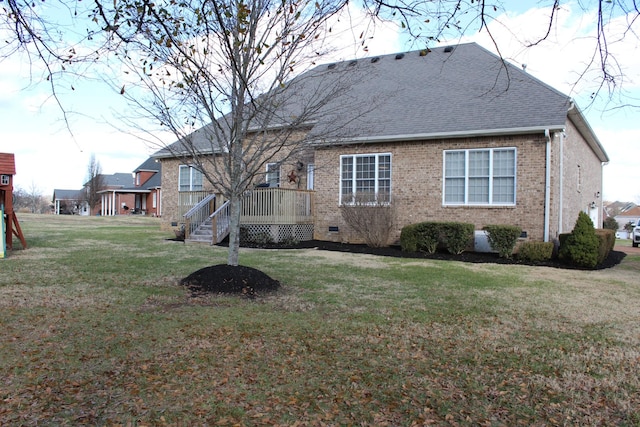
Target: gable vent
448,49
400,56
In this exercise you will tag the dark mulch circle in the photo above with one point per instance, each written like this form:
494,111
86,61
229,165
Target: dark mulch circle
224,278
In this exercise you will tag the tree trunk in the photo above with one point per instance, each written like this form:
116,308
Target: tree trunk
234,230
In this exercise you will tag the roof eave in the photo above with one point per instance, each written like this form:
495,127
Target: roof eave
578,119
443,135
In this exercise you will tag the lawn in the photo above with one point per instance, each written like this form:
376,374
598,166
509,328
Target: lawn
97,331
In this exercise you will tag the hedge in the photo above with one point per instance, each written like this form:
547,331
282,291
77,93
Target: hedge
503,238
456,237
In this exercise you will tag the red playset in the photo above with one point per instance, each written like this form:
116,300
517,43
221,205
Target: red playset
12,227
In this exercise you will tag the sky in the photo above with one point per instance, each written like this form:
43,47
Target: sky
52,153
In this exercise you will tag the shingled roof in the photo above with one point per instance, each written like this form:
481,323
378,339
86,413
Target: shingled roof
7,164
447,92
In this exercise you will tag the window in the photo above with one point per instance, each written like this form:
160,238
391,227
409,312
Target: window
190,179
480,177
365,178
273,174
4,179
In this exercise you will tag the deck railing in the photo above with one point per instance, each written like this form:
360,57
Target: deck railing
268,206
277,206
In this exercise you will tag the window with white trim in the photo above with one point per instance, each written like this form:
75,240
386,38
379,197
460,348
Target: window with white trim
273,174
189,179
4,179
480,177
365,178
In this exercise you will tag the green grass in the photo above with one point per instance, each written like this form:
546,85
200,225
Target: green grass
97,331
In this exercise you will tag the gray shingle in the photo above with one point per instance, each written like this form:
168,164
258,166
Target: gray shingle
468,91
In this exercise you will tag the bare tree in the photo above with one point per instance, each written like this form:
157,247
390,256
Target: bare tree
221,78
48,31
94,183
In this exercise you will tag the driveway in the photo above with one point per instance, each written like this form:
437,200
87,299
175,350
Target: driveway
629,250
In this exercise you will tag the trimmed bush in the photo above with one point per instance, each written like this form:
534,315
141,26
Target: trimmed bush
427,236
581,246
606,240
535,251
503,238
456,236
409,238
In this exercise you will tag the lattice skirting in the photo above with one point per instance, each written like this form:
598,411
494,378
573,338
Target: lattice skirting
280,233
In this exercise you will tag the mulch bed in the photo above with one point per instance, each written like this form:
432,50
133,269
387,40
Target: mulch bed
250,282
225,278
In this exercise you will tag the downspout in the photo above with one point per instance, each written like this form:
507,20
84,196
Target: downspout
547,187
561,184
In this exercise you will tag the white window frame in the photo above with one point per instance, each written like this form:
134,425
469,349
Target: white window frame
377,179
272,174
491,177
193,173
5,179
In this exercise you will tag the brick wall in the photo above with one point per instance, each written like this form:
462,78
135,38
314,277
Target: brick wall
581,180
417,185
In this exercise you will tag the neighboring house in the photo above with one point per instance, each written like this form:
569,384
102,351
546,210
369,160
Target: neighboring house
448,134
628,216
122,194
69,202
138,194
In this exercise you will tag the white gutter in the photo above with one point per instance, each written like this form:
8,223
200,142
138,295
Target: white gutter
440,135
547,186
561,184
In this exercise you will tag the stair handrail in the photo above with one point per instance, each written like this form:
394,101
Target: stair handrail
199,205
197,215
220,223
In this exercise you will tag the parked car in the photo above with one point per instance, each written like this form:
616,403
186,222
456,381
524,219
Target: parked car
635,235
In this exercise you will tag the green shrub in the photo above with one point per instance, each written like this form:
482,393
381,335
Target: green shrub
409,238
421,237
456,236
611,224
581,246
503,238
535,251
427,236
606,241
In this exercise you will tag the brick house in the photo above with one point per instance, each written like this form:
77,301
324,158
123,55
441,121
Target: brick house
138,194
121,194
447,134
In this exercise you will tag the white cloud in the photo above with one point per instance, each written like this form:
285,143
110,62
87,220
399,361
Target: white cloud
562,61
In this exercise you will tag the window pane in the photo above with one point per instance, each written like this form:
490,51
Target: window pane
196,180
365,178
504,162
479,163
454,190
454,164
183,179
504,190
347,180
478,190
